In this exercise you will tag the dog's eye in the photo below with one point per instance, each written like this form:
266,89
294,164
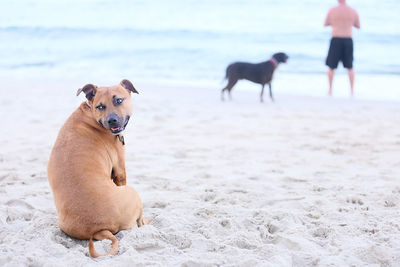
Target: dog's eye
101,107
119,101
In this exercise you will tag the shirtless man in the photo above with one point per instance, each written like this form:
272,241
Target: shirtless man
342,18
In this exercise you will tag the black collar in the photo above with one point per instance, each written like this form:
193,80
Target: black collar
121,139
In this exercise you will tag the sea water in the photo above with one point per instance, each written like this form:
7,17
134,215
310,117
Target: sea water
192,42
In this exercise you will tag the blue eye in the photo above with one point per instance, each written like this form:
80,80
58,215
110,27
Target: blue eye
119,101
101,107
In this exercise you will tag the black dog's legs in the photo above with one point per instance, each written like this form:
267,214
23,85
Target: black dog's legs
228,87
262,94
270,93
222,94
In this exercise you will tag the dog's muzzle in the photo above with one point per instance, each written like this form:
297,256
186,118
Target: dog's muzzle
115,124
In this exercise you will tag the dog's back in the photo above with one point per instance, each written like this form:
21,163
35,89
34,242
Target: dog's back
258,73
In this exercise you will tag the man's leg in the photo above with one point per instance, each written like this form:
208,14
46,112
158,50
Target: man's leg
348,62
332,60
331,72
351,78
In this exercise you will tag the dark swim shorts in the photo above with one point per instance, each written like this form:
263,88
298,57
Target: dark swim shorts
341,49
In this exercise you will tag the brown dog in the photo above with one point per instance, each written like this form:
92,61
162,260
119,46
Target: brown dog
86,169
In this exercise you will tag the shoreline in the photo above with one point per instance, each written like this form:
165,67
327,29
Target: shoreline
283,85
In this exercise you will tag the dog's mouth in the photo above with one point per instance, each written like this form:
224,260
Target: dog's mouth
115,129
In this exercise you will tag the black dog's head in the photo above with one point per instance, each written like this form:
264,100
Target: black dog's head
280,57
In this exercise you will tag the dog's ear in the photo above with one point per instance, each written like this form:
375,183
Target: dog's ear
89,90
128,86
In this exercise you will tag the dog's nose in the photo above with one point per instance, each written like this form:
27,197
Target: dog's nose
112,120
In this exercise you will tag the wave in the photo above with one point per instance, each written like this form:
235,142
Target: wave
28,65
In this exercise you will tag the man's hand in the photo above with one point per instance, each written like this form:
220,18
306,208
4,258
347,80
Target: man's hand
328,19
357,22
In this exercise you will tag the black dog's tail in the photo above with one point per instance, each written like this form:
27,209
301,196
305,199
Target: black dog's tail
227,73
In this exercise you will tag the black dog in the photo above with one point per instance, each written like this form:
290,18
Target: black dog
259,73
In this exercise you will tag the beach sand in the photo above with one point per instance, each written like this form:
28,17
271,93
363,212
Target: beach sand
300,182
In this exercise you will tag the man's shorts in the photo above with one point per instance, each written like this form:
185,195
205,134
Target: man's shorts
341,49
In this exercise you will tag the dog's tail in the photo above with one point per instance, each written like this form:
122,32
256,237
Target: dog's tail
226,73
100,235
228,69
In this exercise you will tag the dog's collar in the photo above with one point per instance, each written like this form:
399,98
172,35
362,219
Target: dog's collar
274,62
121,139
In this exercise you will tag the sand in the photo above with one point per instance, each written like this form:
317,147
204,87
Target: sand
301,182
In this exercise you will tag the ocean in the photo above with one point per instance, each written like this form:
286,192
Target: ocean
192,42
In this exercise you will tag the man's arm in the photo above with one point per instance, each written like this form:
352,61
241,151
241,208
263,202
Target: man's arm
328,19
357,21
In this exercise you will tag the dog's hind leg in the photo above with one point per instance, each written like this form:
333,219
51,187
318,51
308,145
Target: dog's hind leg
222,94
228,87
262,94
142,221
270,92
231,84
230,95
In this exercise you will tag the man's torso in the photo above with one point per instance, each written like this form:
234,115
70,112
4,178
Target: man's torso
342,19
